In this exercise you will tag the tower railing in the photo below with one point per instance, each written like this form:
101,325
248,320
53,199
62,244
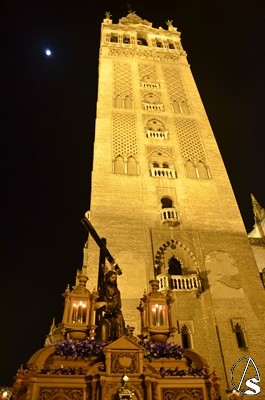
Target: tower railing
153,107
163,172
169,215
150,85
179,282
157,134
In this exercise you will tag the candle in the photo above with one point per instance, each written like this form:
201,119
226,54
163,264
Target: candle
83,312
74,313
161,319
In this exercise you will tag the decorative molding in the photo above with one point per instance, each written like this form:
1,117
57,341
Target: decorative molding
144,54
183,394
123,361
67,393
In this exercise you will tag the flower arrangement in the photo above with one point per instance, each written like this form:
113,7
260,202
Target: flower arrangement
84,349
157,350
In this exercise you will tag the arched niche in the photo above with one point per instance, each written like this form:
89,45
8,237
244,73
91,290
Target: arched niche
181,252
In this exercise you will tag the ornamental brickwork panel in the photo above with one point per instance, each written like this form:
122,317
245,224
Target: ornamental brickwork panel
174,85
124,135
122,79
189,140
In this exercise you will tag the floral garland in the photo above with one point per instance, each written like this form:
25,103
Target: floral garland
155,350
62,370
84,349
88,348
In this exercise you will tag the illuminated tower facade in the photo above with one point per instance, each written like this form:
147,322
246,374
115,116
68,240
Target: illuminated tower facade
163,200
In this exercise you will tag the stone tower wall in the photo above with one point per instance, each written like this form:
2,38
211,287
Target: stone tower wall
126,204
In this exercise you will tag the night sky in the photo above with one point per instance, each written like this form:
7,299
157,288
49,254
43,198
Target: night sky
47,139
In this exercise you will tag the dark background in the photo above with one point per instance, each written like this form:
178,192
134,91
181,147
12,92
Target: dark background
48,130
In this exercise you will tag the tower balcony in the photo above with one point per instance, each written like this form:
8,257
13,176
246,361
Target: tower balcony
169,216
157,134
182,283
162,172
153,107
150,85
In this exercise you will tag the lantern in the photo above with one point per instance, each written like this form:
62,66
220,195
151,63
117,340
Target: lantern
156,317
78,317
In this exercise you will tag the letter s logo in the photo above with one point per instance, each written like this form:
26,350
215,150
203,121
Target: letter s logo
251,383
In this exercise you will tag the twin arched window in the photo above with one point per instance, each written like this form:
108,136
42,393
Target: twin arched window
127,166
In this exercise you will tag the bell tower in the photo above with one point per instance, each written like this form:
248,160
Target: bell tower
162,198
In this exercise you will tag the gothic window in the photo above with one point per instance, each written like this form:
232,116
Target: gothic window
185,337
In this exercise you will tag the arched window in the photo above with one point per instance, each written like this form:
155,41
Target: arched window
166,202
174,266
127,102
155,125
118,101
151,98
131,166
119,165
184,107
202,170
165,165
148,78
191,170
175,106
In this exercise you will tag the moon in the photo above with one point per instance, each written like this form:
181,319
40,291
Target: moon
48,52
